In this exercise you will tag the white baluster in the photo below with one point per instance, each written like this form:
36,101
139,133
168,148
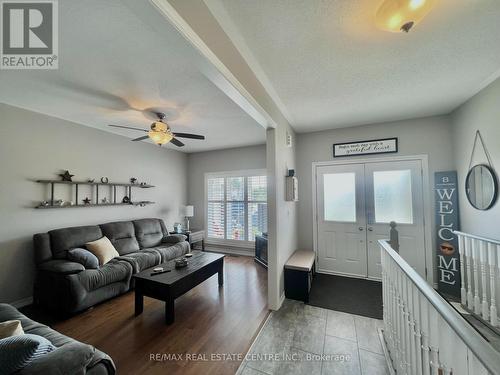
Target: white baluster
493,252
468,259
426,362
407,324
461,250
434,341
475,259
418,334
484,286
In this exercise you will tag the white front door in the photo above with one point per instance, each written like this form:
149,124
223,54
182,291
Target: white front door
342,219
394,193
355,203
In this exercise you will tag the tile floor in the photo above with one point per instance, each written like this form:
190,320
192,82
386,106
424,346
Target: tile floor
302,339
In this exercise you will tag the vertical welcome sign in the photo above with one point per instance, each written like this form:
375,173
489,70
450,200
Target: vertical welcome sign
447,216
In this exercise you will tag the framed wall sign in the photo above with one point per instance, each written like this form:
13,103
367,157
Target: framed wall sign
376,146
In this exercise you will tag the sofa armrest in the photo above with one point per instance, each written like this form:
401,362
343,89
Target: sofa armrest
71,358
62,267
174,238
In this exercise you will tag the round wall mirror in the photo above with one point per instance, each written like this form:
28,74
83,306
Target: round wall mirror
481,187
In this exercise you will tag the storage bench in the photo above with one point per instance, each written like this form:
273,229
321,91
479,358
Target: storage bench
299,272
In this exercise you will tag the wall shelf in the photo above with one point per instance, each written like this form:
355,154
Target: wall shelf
128,192
94,183
141,203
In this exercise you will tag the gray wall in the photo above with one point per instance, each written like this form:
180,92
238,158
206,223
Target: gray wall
35,146
253,157
481,112
430,136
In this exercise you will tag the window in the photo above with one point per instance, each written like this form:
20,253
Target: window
236,205
340,197
393,198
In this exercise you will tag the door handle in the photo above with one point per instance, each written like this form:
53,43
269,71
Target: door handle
361,229
370,229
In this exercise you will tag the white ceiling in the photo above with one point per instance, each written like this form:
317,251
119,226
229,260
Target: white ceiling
118,58
328,66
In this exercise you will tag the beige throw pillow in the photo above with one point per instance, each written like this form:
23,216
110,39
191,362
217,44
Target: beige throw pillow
103,249
10,328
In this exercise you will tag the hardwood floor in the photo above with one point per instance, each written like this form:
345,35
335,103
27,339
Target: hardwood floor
208,321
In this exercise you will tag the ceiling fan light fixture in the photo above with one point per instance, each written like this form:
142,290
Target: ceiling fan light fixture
160,137
402,15
159,126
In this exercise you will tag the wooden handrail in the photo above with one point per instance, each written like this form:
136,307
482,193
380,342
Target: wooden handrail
486,354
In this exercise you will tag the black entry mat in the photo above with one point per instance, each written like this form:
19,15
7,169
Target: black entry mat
354,296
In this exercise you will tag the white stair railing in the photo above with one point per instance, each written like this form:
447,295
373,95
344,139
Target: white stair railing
480,272
422,332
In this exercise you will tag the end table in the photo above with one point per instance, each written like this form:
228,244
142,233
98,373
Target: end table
194,236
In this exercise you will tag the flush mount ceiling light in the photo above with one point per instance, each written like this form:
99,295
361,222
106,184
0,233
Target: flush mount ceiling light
402,15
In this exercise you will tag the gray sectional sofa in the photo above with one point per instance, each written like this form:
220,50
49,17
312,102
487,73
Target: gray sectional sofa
66,287
70,357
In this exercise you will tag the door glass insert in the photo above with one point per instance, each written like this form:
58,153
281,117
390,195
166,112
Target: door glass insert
340,197
393,198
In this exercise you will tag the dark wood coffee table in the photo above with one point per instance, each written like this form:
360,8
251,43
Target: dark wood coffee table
170,285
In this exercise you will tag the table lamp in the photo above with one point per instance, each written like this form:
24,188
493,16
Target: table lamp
188,212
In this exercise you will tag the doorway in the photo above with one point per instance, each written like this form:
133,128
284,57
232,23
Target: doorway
355,202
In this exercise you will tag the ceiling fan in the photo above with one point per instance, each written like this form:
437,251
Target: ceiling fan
160,132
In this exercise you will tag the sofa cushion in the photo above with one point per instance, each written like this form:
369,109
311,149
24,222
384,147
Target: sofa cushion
172,251
142,259
64,239
84,257
174,238
109,273
63,267
16,352
103,249
10,328
149,232
122,236
8,312
72,358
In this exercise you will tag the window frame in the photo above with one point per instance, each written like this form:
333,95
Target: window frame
242,173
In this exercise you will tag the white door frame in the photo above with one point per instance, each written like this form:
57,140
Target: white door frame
424,159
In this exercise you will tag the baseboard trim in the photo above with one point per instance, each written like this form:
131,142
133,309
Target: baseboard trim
22,302
229,250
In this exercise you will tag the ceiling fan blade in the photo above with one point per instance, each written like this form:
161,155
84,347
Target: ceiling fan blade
188,135
140,138
177,142
128,127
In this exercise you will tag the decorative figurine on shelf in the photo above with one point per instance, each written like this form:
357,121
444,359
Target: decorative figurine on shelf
91,181
44,203
86,200
104,180
126,199
143,184
133,180
66,176
58,202
104,200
